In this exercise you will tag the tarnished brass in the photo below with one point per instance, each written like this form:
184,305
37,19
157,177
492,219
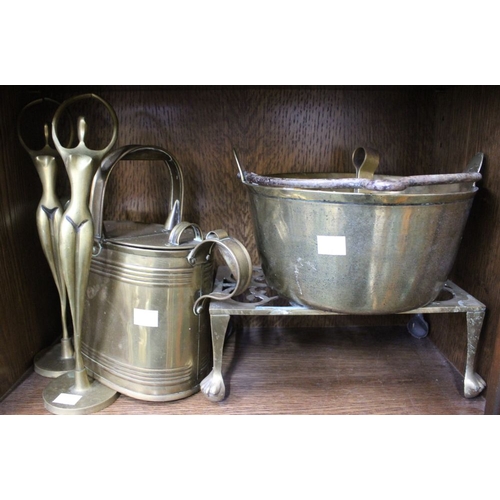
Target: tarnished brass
58,359
146,328
76,237
365,161
261,300
326,245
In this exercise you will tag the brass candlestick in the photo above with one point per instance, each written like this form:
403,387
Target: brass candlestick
74,392
58,359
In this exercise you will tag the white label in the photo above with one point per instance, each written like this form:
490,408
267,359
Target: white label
331,245
67,399
145,317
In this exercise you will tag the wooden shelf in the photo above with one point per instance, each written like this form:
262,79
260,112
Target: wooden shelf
417,130
324,371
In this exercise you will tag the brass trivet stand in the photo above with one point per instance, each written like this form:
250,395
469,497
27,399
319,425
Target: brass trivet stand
261,300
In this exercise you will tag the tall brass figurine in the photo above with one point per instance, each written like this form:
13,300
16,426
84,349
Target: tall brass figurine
58,359
74,392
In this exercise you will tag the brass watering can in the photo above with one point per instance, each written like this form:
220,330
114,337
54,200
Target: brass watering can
146,331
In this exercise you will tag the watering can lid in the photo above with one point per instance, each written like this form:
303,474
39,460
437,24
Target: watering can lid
149,236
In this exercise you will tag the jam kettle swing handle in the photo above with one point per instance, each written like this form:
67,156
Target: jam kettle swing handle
236,256
137,152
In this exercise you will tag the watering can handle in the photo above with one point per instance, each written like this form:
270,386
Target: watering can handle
135,152
237,258
176,233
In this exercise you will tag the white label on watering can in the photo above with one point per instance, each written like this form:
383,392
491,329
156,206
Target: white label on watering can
145,317
331,245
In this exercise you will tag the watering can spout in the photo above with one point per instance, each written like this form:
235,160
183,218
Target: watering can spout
174,217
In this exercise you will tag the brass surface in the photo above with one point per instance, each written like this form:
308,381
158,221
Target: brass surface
62,397
53,362
160,360
137,152
365,161
59,359
146,332
396,247
261,300
76,237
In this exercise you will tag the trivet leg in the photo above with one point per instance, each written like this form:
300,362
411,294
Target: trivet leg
473,383
213,384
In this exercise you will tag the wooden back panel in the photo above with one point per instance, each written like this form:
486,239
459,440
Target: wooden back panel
275,129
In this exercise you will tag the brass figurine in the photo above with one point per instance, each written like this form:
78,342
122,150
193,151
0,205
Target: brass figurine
58,359
75,392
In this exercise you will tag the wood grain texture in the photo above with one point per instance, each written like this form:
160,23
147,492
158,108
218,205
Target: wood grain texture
341,371
468,121
492,406
29,316
274,129
282,129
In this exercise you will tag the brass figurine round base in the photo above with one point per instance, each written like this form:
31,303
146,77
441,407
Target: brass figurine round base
53,362
61,397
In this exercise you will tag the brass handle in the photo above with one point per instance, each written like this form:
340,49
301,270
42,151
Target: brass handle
365,161
237,258
136,152
179,229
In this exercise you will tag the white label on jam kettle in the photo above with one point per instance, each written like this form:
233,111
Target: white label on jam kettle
331,245
67,399
145,317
